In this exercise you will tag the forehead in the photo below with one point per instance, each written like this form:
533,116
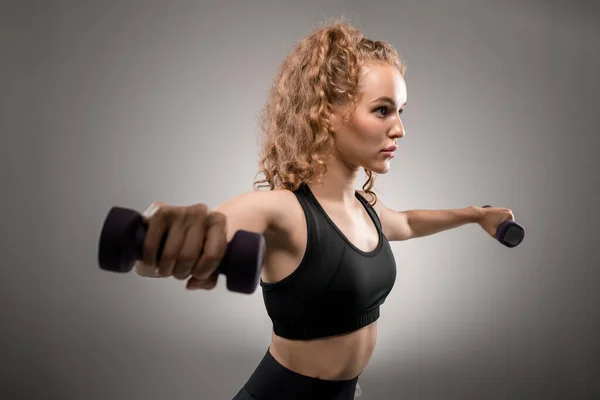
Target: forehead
377,80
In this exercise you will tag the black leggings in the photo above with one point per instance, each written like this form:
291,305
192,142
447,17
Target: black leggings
273,381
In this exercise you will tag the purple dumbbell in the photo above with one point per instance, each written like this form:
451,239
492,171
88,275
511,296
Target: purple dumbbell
122,240
509,233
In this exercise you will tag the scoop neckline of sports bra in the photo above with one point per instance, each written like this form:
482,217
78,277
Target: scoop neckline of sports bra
362,201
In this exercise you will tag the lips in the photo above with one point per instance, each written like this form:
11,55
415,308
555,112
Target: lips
391,148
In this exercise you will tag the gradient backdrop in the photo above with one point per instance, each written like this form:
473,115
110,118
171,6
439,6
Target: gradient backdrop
129,102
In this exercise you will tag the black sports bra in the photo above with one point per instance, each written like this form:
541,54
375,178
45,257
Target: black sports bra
337,288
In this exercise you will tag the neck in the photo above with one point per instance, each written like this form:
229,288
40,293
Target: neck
339,183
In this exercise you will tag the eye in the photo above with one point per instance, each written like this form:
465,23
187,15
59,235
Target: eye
384,109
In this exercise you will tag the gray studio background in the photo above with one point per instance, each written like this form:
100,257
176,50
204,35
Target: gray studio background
128,102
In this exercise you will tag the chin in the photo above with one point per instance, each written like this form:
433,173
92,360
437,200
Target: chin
379,168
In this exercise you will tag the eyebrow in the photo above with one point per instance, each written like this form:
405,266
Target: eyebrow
387,99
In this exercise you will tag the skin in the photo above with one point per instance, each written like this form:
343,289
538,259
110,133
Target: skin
197,236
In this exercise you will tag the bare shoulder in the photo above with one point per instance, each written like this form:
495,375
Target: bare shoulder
264,211
393,222
284,209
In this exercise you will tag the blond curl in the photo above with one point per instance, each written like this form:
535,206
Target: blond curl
318,78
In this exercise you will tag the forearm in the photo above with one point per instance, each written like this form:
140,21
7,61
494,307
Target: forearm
428,222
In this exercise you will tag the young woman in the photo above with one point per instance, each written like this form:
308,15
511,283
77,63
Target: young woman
334,108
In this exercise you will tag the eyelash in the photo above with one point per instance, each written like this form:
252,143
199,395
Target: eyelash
386,108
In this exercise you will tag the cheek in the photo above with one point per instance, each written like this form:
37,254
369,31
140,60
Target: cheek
367,128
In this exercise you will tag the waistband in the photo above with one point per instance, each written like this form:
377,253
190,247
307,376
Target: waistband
272,380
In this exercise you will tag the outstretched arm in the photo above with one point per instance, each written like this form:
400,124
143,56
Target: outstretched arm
404,225
255,211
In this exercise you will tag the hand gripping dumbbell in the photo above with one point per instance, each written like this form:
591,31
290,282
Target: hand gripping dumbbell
509,233
122,240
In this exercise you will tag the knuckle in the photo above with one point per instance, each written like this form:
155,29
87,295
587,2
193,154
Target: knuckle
218,218
198,210
161,213
202,208
178,213
196,213
170,213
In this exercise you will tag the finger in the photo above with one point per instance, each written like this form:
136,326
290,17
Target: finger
147,271
190,251
172,247
157,225
192,246
504,214
206,284
151,210
214,246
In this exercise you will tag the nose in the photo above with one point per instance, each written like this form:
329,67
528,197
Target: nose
397,129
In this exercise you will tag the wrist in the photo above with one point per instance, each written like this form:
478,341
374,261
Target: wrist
475,214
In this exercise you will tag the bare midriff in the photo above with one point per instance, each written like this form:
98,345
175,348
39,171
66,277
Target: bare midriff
340,357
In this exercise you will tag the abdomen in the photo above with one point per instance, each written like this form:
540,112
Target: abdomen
334,358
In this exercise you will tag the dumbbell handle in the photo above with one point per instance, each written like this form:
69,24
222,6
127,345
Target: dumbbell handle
509,233
122,241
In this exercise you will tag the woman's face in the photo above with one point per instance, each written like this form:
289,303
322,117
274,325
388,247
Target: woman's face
375,125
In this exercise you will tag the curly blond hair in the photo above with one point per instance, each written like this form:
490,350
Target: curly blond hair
318,78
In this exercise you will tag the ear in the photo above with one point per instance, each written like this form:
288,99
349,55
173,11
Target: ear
336,120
